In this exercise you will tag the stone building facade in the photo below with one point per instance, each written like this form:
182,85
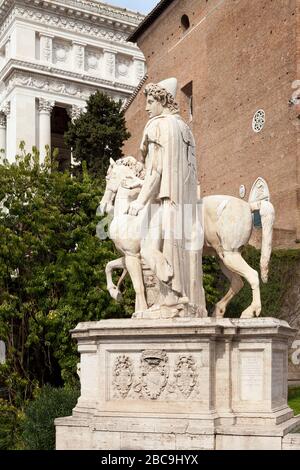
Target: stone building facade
237,62
53,55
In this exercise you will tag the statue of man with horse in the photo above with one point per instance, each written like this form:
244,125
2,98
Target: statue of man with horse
160,221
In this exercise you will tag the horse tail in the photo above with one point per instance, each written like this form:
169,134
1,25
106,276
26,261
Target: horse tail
267,214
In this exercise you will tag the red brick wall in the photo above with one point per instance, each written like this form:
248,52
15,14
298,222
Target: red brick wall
241,56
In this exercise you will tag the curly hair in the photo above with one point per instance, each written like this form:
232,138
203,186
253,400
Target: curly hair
161,95
136,166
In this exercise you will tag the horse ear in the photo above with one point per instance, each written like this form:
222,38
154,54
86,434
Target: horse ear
112,162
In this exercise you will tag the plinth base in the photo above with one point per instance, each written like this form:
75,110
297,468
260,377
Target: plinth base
181,383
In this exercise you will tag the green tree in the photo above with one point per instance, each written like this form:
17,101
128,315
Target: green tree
98,134
51,273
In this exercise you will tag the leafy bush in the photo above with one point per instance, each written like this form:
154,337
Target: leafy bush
38,426
10,426
294,400
52,273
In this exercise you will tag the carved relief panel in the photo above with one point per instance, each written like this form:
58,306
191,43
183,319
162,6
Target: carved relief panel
124,66
61,53
93,60
156,375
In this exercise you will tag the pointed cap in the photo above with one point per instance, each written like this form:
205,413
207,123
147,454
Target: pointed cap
170,84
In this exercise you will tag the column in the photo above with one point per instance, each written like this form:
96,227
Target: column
75,112
2,136
78,56
6,131
46,47
110,65
45,108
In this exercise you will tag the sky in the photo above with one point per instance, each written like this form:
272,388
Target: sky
143,6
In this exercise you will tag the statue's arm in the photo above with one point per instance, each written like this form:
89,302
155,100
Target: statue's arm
150,188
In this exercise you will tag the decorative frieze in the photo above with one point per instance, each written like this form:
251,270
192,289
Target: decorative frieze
95,7
65,87
65,23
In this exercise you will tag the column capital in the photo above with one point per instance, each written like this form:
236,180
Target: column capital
46,106
75,111
5,108
2,119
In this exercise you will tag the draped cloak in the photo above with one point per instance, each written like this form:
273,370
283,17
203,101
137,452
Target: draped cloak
168,147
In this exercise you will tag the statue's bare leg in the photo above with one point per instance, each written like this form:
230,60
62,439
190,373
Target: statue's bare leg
234,262
236,284
111,287
134,267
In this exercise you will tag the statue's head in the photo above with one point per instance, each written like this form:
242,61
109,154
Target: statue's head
161,97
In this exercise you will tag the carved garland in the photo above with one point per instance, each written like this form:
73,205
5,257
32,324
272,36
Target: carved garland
53,85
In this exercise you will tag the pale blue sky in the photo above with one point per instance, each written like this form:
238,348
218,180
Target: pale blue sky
143,6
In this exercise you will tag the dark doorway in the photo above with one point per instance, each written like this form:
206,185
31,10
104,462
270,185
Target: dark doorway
59,125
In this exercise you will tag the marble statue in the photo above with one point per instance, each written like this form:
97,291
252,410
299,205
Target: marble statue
158,218
166,210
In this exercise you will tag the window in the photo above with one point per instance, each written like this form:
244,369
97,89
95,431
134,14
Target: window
185,22
187,90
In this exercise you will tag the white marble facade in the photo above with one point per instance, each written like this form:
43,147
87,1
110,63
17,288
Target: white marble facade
57,53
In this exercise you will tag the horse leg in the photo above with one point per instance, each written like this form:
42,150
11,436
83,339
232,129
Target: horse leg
236,284
134,267
111,287
234,262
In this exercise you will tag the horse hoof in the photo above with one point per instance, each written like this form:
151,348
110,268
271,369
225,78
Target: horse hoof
115,294
218,313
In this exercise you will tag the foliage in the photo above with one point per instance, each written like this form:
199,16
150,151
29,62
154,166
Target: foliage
294,400
10,426
210,281
52,273
98,134
38,425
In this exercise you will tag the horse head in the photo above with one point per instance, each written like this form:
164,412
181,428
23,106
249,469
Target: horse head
126,172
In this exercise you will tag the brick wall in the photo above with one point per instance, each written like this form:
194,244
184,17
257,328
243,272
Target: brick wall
241,56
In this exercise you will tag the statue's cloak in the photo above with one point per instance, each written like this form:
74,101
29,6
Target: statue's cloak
168,147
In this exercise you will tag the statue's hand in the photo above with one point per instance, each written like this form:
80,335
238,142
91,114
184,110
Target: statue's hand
134,208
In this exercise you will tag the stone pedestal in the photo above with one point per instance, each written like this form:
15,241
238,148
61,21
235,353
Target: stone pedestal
180,384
